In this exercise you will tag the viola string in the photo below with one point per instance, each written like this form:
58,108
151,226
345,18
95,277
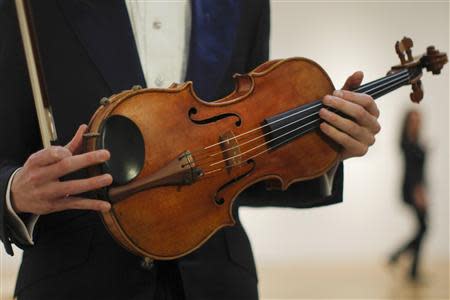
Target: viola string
263,135
271,147
298,128
257,128
259,153
380,92
258,146
377,82
263,144
391,84
396,76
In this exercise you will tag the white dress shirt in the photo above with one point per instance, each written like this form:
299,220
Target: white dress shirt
162,33
24,231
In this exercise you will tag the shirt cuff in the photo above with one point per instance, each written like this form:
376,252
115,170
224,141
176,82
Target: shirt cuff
23,230
327,180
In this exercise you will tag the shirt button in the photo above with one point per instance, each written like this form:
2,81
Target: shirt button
156,25
159,81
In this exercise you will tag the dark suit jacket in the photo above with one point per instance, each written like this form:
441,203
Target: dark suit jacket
88,52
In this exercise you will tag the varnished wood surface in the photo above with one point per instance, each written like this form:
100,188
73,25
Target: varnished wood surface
168,222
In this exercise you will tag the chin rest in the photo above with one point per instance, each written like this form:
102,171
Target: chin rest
123,139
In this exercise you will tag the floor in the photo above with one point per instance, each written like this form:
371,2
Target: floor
335,281
352,281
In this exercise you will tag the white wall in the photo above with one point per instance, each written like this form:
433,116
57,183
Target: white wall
344,37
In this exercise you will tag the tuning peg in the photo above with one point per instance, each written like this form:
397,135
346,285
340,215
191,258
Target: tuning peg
400,53
435,60
417,93
431,50
402,47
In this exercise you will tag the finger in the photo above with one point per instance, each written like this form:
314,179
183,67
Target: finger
351,146
355,111
364,100
75,144
76,162
80,203
48,156
354,81
78,186
349,127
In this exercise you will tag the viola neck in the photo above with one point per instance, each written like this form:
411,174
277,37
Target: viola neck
384,85
287,126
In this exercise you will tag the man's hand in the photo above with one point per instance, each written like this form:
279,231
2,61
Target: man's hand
36,187
357,134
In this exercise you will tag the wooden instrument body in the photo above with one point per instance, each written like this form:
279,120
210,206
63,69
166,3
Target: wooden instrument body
170,221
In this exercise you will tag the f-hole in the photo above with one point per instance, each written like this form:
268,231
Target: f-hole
217,198
193,111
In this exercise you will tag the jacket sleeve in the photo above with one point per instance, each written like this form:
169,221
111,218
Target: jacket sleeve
304,194
19,134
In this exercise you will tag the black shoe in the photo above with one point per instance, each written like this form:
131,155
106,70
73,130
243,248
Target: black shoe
415,278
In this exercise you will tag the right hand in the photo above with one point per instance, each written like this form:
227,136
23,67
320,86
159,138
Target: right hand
36,187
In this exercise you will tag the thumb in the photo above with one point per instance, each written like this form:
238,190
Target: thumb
75,144
354,81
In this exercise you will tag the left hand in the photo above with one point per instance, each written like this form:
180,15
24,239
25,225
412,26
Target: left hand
355,135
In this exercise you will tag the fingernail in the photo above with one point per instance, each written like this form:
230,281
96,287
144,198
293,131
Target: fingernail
323,112
102,154
105,206
338,93
329,100
106,179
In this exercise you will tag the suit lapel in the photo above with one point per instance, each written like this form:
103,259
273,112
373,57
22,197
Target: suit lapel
213,32
104,29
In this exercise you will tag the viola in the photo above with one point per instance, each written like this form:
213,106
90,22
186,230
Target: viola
179,162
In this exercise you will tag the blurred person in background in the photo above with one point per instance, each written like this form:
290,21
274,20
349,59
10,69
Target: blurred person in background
413,189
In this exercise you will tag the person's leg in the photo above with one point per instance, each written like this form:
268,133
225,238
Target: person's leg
417,245
406,247
409,245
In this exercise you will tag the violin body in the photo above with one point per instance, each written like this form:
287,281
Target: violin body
178,162
172,216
